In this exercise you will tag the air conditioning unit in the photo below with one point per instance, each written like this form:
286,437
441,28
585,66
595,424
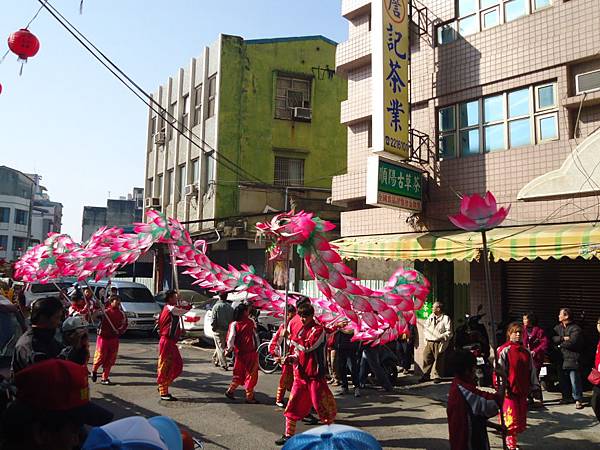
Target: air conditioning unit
302,113
152,202
587,82
191,190
159,138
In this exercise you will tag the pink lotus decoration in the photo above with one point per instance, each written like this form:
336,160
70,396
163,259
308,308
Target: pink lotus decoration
479,213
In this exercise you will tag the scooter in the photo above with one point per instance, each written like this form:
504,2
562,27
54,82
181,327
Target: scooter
472,336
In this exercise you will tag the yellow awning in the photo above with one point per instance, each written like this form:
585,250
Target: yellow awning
530,242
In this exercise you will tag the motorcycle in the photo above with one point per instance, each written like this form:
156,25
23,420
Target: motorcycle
473,337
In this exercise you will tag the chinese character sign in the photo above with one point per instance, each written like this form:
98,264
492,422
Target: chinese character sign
390,77
393,185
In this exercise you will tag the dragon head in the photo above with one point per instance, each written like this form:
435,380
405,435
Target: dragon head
287,229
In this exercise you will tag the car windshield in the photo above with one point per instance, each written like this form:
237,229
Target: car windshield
50,287
135,295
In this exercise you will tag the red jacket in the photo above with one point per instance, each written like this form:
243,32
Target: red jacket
310,351
241,336
515,366
276,342
119,321
468,410
169,323
536,341
597,361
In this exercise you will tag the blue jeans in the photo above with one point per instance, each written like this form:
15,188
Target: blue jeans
370,358
570,381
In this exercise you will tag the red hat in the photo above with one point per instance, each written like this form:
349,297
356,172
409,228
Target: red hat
61,386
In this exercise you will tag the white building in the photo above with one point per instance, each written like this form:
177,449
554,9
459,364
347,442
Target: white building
22,197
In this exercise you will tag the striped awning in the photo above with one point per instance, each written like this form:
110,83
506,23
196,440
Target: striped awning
528,242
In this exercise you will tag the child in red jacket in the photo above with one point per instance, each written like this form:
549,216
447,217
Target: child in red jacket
468,407
243,340
287,372
170,364
113,325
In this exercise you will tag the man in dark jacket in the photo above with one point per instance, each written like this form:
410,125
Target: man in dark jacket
39,343
569,339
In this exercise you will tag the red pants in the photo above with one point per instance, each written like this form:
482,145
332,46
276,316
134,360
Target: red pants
307,393
105,355
514,410
286,381
170,364
245,371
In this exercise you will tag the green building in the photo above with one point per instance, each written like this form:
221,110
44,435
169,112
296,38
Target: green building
262,120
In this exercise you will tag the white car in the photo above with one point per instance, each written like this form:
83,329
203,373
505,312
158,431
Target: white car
137,302
35,291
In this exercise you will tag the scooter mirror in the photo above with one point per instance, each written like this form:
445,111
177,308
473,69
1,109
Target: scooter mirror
479,308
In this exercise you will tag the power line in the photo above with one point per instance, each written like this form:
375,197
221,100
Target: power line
148,100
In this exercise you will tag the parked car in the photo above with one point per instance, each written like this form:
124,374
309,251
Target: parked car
35,291
137,302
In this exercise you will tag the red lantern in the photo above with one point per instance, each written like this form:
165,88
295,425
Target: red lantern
24,44
0,89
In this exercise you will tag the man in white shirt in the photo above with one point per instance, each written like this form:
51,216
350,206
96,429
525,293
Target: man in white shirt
438,331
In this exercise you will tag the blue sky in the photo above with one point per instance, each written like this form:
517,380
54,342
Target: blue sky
69,120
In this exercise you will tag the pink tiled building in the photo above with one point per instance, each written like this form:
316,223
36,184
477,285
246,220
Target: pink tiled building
508,92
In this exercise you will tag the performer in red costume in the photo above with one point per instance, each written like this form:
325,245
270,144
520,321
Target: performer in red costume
287,372
518,378
310,387
468,407
170,364
243,340
113,325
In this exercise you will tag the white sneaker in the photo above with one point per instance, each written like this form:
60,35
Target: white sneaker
280,404
356,392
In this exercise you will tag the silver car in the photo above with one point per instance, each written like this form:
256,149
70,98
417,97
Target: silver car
137,302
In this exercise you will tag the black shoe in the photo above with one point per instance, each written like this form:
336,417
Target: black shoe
229,395
310,420
168,398
423,379
107,382
282,440
437,380
94,377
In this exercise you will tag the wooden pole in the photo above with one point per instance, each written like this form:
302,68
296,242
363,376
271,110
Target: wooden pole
488,292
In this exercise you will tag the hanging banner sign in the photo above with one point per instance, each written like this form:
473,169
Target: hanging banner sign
391,184
390,55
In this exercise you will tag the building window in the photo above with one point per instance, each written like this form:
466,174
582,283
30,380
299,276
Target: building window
212,96
512,119
21,217
186,109
289,171
154,125
19,244
370,134
473,16
291,93
197,104
182,180
150,187
3,243
195,170
4,215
